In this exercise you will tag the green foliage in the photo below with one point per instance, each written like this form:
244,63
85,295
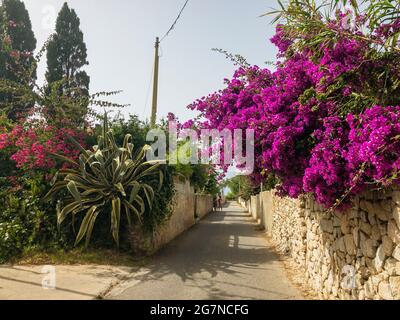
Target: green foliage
17,43
304,20
7,167
16,24
237,59
24,220
65,98
108,179
202,177
306,24
162,207
66,55
378,12
240,186
133,126
59,110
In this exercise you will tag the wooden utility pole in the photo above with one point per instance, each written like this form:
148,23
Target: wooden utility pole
155,85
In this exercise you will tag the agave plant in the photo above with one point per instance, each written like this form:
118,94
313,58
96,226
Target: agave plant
106,180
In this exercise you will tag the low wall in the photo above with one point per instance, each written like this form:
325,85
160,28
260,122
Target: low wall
259,208
182,217
255,207
204,205
344,255
187,206
266,212
242,202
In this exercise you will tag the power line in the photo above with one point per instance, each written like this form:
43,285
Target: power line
153,117
176,20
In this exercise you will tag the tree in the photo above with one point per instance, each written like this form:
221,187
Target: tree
16,55
66,56
241,186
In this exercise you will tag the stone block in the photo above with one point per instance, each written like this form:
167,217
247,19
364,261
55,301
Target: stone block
387,244
396,253
393,231
392,267
349,244
326,225
385,291
396,215
380,258
395,287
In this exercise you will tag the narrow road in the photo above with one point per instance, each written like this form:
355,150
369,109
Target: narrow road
222,257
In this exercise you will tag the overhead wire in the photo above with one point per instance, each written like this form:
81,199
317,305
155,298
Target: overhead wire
166,35
175,22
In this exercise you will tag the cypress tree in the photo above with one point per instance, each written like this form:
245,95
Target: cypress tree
66,56
17,44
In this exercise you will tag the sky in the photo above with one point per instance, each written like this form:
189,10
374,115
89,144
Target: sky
120,36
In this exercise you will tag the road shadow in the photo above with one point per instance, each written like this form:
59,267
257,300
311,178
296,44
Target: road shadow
212,248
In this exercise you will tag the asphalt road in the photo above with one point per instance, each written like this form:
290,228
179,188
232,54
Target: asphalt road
222,257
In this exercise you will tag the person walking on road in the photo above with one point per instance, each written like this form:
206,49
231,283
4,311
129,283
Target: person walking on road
220,202
215,204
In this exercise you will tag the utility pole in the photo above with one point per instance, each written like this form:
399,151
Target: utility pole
155,85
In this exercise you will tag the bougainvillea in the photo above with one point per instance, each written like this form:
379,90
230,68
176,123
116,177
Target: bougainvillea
326,174
318,126
31,143
374,145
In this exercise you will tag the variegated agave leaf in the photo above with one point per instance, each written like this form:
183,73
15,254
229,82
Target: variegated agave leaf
108,180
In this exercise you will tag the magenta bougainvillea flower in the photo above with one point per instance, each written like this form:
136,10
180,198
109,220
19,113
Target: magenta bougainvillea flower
302,136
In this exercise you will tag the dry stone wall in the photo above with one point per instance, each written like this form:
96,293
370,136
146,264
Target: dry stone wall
344,255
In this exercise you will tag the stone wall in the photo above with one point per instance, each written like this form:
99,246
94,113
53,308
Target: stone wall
266,199
344,255
255,207
204,205
183,217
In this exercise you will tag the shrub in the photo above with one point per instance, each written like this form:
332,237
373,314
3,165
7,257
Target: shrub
24,220
106,180
162,206
29,143
241,186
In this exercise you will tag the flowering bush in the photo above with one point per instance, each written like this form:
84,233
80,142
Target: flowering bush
25,173
326,175
374,145
31,143
25,221
323,121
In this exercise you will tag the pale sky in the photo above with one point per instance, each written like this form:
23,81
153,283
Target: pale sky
120,36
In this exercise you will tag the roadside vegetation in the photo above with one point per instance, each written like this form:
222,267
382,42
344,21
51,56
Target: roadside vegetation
74,182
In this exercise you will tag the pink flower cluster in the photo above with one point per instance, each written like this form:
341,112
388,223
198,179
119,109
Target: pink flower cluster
32,142
300,134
